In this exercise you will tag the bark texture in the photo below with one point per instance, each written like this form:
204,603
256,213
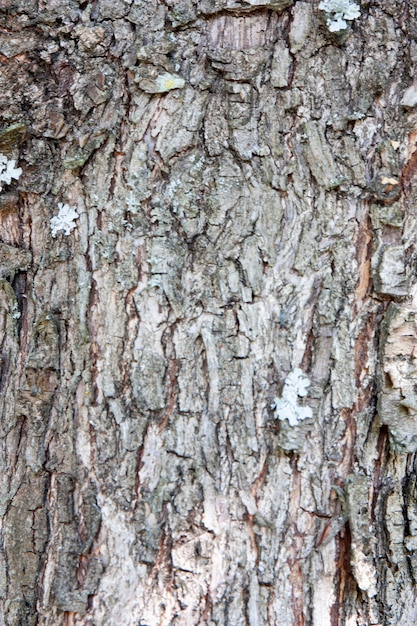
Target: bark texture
244,182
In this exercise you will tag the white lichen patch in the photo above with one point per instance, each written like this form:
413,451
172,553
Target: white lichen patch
287,407
65,220
8,170
15,312
338,13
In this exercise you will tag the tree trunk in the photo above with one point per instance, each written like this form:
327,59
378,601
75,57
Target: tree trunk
208,313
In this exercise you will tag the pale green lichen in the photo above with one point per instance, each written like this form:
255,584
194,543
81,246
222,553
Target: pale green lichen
162,83
166,82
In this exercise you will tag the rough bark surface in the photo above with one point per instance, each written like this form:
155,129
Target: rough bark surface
244,182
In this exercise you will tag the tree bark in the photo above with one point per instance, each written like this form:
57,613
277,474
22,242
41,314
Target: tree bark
208,373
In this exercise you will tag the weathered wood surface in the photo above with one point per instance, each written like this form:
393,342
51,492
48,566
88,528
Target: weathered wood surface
244,182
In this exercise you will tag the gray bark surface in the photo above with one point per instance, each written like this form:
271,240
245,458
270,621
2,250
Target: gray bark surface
244,187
